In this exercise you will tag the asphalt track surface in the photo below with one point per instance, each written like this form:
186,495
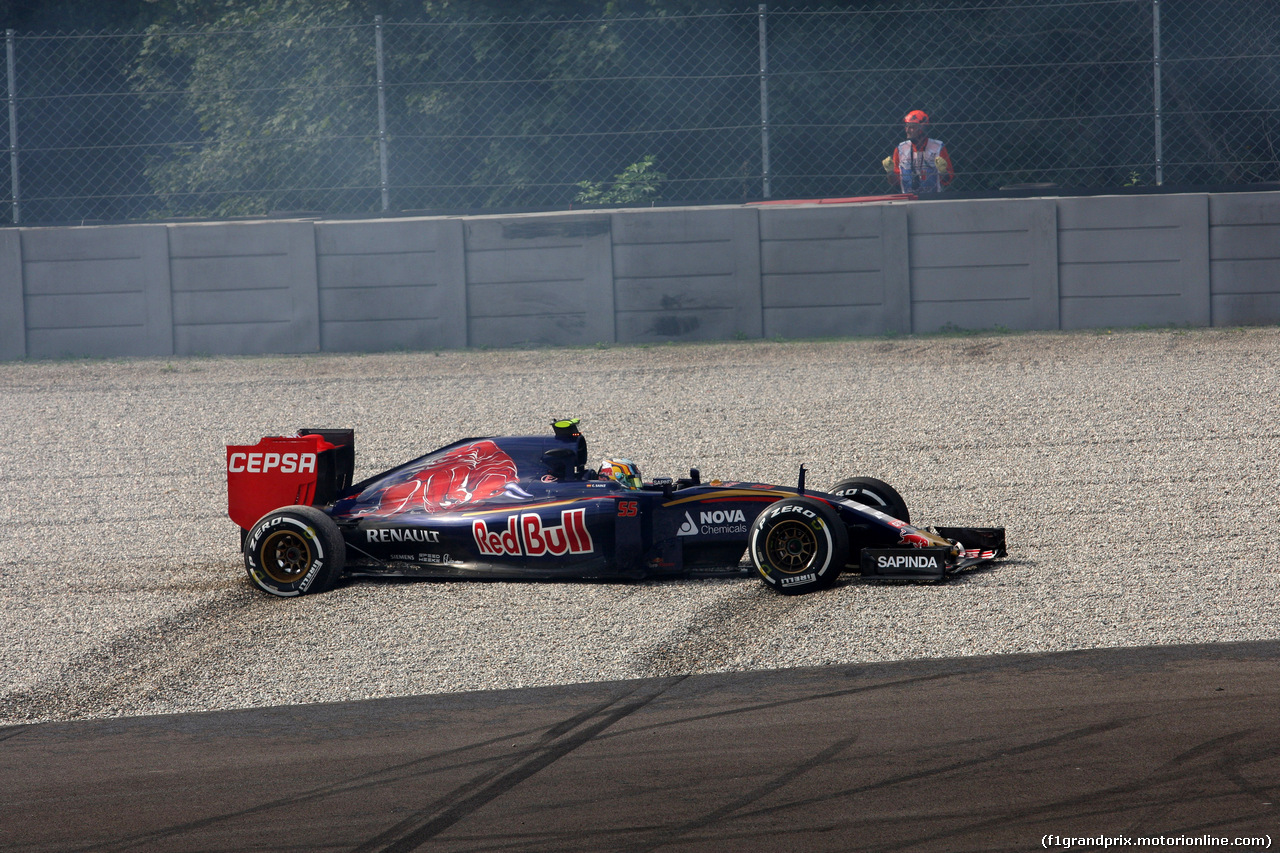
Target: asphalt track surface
1120,746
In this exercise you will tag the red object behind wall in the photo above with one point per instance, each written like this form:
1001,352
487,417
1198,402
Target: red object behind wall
850,200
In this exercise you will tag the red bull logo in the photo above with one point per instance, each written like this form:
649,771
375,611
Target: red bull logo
527,535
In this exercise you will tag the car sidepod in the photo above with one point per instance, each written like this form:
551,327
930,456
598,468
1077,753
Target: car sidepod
534,539
704,528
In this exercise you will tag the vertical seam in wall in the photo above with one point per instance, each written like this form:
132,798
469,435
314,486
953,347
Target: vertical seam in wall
1057,258
911,294
911,277
613,275
1208,251
168,257
889,213
1055,293
1199,231
315,281
466,287
168,283
315,284
22,294
1207,231
755,211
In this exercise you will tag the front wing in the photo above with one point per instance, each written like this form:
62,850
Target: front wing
977,546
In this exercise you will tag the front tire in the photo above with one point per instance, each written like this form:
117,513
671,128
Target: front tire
293,551
798,545
874,493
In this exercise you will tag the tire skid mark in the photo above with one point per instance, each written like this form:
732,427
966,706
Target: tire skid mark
713,636
782,703
403,771
966,764
1231,772
7,732
1104,803
559,741
1225,755
1211,747
714,817
106,679
1082,808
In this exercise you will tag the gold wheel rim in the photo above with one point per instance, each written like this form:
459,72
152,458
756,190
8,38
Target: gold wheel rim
286,556
791,546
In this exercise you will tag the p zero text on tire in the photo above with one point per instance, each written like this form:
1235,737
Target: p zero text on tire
293,551
798,545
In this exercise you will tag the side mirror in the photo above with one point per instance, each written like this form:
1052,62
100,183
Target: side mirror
560,460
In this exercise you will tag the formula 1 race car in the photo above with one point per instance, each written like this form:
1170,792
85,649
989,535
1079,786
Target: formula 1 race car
528,507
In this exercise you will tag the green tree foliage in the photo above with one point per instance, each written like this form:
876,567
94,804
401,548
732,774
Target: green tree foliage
637,183
278,97
240,107
515,114
481,113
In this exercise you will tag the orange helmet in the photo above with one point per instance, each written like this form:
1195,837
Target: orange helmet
916,117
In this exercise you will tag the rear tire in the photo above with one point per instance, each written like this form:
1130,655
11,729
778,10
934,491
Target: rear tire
294,551
798,545
874,493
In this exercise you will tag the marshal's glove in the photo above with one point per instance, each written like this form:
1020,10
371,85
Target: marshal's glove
941,163
887,163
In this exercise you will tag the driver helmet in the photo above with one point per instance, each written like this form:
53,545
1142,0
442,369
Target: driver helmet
621,471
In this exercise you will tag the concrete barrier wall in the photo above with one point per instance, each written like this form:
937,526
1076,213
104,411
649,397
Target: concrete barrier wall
686,275
834,270
1133,260
398,284
1244,259
244,288
13,326
96,291
984,264
538,279
634,276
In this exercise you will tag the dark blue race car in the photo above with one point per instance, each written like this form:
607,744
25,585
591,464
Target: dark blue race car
529,507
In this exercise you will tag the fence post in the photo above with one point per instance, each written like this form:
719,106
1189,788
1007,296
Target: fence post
11,62
382,117
763,14
1155,63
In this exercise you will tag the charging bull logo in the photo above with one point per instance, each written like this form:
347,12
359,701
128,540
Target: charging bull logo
915,540
465,474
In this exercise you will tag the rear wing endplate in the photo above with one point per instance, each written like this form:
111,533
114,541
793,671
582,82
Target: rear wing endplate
311,468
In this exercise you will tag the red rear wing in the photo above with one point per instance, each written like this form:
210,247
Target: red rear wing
310,468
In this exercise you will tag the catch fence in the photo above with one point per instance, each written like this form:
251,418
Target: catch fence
343,117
